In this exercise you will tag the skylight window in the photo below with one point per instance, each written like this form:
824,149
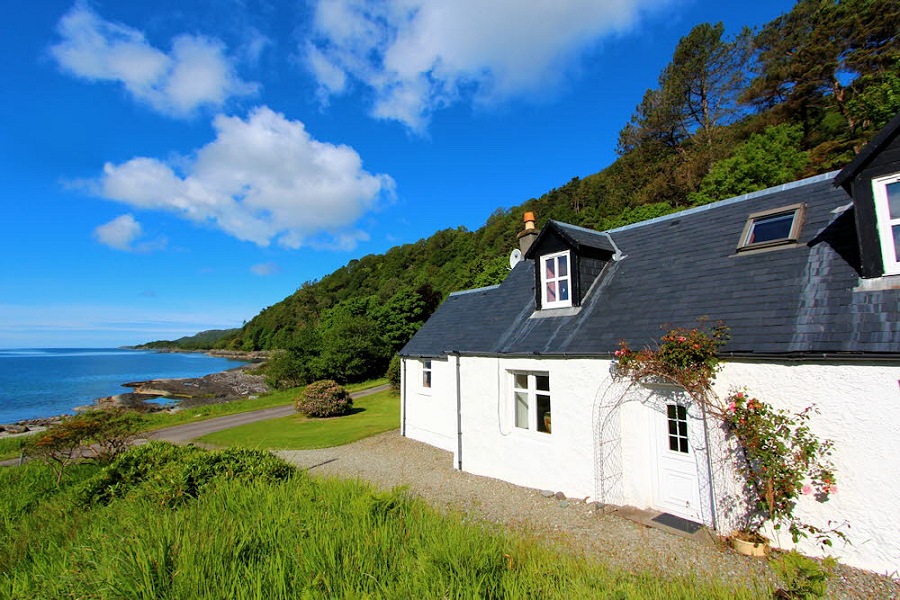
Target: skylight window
772,228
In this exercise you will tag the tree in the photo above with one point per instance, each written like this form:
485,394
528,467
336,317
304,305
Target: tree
678,129
820,56
766,159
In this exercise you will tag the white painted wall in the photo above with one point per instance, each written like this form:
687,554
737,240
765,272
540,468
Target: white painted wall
859,410
493,446
430,413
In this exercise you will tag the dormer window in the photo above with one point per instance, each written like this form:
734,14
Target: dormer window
886,192
556,280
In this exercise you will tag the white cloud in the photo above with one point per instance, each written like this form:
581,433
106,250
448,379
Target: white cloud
420,55
264,269
262,179
121,234
194,73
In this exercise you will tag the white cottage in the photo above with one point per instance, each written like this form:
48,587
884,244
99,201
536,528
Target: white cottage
517,380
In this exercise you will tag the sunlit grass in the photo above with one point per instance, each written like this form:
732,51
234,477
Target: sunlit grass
11,447
301,538
210,411
372,414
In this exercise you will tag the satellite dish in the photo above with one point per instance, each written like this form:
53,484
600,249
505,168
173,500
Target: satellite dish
515,258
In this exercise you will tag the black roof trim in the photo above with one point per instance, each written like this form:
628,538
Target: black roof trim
577,237
868,152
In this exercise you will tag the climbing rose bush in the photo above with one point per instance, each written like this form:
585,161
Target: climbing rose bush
685,356
783,460
324,398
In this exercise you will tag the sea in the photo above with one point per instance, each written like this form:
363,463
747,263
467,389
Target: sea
43,382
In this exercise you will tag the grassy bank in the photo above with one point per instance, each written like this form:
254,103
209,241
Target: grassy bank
242,536
10,447
371,414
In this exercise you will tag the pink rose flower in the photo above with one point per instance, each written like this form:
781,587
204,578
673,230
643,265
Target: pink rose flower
732,407
807,490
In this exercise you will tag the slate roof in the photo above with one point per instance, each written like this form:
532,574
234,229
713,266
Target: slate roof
791,301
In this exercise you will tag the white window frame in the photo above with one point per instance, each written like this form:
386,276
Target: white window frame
427,374
886,223
535,421
545,303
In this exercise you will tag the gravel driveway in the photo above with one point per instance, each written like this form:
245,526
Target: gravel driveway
388,460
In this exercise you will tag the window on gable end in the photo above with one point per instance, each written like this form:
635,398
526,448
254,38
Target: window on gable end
556,280
770,228
426,373
886,192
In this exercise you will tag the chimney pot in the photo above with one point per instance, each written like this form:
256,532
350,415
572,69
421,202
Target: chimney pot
527,237
529,221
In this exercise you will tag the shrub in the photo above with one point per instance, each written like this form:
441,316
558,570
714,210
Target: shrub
324,398
110,431
803,577
170,475
393,373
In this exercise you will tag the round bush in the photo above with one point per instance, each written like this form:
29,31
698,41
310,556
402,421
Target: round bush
324,399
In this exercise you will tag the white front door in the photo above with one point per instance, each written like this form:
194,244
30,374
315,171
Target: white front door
678,488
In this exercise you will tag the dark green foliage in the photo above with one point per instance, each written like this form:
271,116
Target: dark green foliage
324,399
770,158
200,341
393,373
169,475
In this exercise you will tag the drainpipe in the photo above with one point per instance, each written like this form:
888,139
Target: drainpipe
403,399
458,416
709,468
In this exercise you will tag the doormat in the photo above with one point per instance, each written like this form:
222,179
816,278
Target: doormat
677,523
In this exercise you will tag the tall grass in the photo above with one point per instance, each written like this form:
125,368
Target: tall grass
300,538
11,447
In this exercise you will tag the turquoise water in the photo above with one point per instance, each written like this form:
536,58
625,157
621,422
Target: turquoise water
53,381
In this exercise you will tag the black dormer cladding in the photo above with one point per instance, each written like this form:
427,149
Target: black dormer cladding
879,158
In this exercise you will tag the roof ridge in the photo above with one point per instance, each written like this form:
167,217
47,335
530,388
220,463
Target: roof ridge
473,290
736,199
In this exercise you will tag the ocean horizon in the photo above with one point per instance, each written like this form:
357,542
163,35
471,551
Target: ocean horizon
44,382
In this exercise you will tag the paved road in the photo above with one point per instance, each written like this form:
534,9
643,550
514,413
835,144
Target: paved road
180,434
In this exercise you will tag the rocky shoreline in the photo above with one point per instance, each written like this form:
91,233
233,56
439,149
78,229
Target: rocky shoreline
239,382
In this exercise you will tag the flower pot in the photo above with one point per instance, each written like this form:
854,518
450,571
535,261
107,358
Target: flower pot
749,544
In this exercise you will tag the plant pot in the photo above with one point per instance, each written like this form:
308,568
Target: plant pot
749,544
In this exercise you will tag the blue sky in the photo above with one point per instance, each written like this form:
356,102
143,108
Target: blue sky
179,165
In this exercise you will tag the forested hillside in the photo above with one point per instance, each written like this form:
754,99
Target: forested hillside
732,112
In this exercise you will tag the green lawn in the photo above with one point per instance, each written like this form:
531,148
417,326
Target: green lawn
210,411
371,414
